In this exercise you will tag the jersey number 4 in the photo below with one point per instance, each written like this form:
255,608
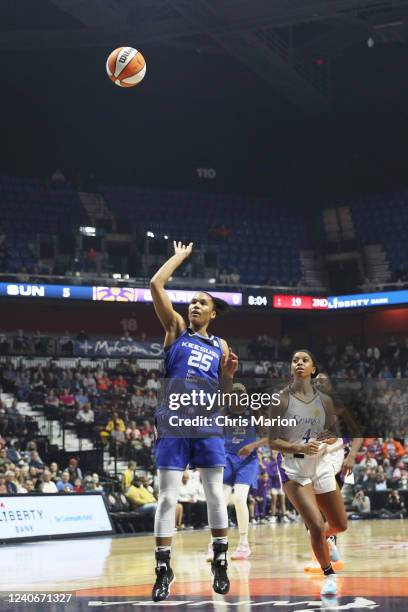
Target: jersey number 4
200,360
306,437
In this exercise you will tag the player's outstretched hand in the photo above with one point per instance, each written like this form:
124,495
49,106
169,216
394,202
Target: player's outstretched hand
311,448
245,450
182,249
230,364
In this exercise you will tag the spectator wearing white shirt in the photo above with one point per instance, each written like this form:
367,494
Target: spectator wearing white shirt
361,505
86,414
89,383
368,461
151,401
48,485
188,497
85,418
137,400
152,382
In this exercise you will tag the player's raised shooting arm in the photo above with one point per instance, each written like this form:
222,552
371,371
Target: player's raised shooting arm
171,320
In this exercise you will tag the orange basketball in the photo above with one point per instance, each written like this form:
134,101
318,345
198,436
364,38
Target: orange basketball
126,66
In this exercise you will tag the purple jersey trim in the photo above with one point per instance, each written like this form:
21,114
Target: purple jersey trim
282,472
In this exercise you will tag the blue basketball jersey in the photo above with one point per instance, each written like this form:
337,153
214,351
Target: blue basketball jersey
192,362
194,357
238,436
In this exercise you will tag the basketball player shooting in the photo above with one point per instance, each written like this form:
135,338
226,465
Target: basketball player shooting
192,354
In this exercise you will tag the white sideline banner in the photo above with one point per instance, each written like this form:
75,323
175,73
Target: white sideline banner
33,516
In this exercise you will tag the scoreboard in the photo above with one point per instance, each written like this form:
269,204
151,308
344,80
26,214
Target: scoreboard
269,299
259,298
300,302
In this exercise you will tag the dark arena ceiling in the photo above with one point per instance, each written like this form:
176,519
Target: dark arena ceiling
289,86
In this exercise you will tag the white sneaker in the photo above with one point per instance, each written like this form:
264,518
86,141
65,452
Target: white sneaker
329,586
285,519
210,552
273,519
242,552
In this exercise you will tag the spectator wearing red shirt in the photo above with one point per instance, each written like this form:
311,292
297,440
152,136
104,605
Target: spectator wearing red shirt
103,383
132,432
78,488
91,256
120,384
67,399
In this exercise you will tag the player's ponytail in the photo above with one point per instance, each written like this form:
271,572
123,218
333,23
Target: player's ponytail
220,306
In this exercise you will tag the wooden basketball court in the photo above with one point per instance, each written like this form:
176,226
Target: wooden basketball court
117,572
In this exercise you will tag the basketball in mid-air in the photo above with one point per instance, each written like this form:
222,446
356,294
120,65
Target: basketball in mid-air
126,66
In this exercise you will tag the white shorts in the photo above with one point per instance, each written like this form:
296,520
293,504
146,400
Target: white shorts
337,456
318,471
278,491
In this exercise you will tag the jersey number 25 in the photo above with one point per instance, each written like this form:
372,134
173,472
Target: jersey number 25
200,360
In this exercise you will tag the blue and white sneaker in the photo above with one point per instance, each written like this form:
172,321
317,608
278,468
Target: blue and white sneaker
329,586
329,602
334,551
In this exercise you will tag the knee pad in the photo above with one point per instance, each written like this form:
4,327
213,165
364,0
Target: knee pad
165,518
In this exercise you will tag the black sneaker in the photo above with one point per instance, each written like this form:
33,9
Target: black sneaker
164,577
219,565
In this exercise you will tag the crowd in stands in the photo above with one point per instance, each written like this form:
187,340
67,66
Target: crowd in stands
267,502
43,344
381,465
24,471
351,363
114,407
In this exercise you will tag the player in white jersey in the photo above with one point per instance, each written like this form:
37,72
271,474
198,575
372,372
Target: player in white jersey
342,455
307,474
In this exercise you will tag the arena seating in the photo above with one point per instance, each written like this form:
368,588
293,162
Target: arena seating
31,207
382,219
262,239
